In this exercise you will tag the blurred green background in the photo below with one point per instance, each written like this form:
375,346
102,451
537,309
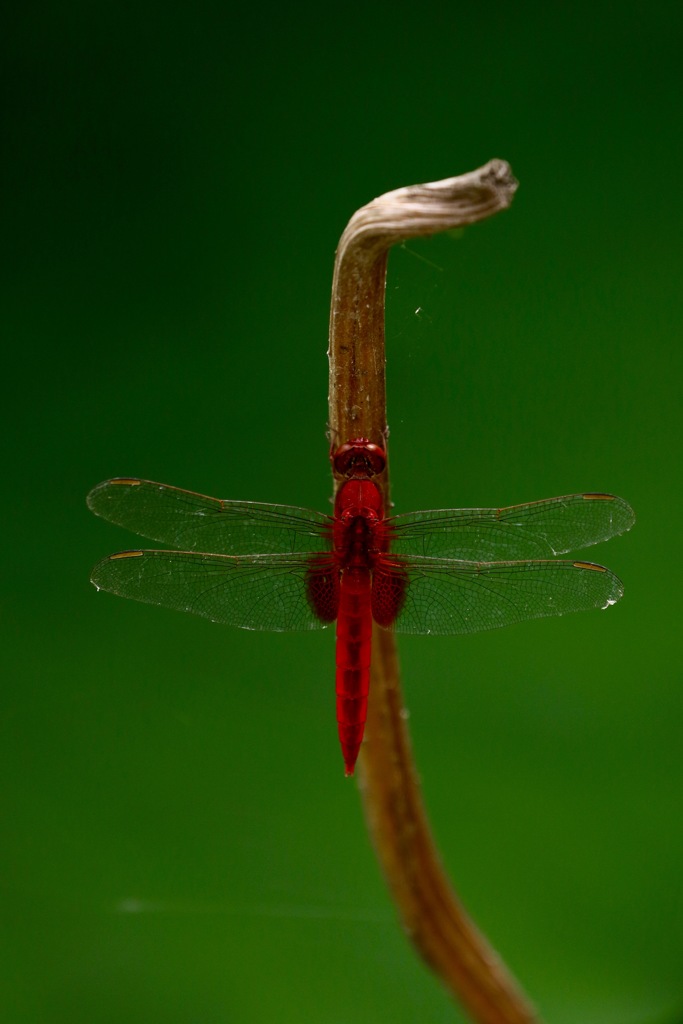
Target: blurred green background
180,844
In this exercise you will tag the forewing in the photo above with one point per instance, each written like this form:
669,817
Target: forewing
447,597
195,522
535,530
266,592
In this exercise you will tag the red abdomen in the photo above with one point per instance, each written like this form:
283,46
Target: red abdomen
354,635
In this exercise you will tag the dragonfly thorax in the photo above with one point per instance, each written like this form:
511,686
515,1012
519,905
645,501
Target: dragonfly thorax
358,510
359,499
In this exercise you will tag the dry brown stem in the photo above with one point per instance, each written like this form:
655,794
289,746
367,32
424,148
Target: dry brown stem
431,913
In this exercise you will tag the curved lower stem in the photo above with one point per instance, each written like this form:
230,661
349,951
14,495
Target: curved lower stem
430,911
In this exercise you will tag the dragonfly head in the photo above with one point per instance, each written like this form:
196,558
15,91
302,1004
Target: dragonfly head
359,459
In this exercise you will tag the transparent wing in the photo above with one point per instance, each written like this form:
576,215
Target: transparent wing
198,523
252,592
538,529
449,597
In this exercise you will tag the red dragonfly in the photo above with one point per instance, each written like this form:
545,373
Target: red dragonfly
279,567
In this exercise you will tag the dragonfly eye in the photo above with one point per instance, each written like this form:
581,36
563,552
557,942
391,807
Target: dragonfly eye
359,458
